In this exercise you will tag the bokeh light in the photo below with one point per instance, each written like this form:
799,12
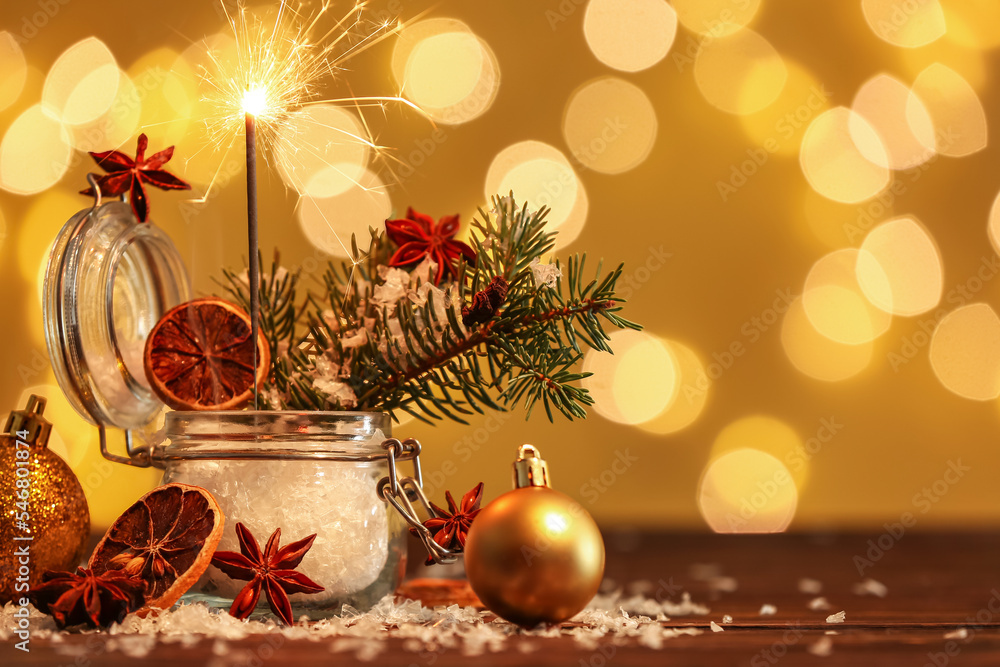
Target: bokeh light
955,109
834,164
609,125
899,268
635,384
740,73
13,70
116,126
779,127
32,134
541,175
445,69
766,434
629,35
993,224
715,18
900,119
965,352
835,304
693,385
817,356
167,89
196,163
322,150
40,225
747,491
329,222
973,23
970,63
906,23
82,84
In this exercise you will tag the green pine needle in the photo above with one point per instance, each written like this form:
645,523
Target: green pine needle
419,361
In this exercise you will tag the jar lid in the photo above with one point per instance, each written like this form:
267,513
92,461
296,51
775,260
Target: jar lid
109,280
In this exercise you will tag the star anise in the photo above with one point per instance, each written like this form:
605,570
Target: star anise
418,236
450,527
128,175
84,597
273,571
486,302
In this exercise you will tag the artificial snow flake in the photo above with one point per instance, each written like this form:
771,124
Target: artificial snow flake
428,290
810,586
727,619
839,617
822,647
704,571
394,287
325,369
425,270
353,339
723,584
337,391
961,633
545,275
819,603
331,320
273,398
365,634
768,610
716,627
870,587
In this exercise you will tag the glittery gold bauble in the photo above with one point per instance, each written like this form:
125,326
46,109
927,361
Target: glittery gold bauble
46,521
534,555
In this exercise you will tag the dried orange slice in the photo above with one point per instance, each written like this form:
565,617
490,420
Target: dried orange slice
166,538
199,356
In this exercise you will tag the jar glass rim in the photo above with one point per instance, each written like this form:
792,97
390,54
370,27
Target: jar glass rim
280,434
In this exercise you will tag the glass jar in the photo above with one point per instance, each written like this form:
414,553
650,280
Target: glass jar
303,472
109,279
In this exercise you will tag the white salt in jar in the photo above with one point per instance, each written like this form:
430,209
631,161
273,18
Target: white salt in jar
302,472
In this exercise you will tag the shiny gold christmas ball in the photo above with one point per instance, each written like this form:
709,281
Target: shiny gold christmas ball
46,503
534,556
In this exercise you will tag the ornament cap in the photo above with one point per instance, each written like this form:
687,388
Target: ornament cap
530,469
30,419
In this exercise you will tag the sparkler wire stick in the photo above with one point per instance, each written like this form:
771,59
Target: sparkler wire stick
254,268
273,77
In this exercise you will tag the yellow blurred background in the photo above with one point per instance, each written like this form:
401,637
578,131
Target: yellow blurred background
802,192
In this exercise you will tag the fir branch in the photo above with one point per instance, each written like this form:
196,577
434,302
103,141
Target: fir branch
381,338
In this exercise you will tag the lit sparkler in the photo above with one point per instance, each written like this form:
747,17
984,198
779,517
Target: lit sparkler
276,72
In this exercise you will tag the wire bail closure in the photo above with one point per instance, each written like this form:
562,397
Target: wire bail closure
401,492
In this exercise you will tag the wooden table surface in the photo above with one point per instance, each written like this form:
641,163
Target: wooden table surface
937,584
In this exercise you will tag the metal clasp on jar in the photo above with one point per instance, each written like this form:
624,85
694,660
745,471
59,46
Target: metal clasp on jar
401,492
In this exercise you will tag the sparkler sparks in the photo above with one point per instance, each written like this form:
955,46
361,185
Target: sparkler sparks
263,88
278,68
